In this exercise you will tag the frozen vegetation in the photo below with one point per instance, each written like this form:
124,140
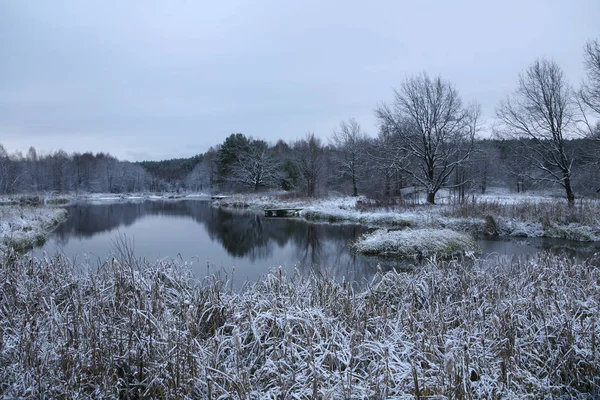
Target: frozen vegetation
63,198
416,243
24,227
512,214
127,329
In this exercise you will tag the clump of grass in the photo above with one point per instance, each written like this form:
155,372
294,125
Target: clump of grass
131,329
416,243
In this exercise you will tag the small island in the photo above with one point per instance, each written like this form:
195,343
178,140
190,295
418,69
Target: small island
416,243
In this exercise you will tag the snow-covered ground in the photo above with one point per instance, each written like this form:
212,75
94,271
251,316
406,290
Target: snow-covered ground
522,215
23,227
54,198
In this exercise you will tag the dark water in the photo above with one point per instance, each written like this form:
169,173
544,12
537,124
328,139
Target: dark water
244,246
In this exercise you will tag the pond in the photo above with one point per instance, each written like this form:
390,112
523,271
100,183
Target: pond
242,246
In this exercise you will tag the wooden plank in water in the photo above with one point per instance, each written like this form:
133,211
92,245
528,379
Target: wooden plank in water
281,212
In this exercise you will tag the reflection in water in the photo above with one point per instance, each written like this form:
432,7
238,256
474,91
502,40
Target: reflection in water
192,229
250,241
521,250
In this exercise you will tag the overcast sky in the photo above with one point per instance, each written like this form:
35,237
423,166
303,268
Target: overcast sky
156,79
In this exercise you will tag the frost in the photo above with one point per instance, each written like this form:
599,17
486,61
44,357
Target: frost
24,227
524,215
416,243
146,330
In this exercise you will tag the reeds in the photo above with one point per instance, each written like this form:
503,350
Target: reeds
132,329
583,211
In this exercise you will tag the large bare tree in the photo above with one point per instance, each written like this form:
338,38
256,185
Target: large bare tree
310,160
590,89
540,116
256,166
350,146
434,131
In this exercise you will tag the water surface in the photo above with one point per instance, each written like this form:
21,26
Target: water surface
242,245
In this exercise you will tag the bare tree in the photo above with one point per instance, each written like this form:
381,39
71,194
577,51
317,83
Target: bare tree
590,89
256,166
350,143
588,98
540,116
204,173
386,160
433,129
309,159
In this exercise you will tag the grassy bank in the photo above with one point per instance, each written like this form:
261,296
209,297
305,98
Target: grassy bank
521,217
22,227
541,218
128,329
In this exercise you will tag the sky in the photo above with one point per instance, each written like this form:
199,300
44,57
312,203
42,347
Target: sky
152,79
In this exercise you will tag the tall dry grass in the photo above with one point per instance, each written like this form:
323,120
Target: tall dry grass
131,329
584,211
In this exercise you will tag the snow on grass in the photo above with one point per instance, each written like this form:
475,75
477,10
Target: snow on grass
416,243
337,209
141,330
508,197
63,198
524,215
24,227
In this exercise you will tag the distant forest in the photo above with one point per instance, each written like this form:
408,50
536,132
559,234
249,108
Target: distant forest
307,167
546,135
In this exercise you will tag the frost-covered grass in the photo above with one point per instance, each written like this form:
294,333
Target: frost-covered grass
416,243
63,198
447,330
524,215
336,209
22,227
539,218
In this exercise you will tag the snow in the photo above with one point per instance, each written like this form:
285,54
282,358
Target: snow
129,328
439,216
22,227
148,330
60,198
416,243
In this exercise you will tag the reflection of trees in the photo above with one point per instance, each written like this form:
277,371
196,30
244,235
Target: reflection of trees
323,247
242,235
572,249
309,245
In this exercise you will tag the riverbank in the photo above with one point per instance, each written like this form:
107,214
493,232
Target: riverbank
521,216
65,198
23,227
440,230
131,329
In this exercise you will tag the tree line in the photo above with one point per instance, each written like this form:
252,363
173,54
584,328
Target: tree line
546,134
62,172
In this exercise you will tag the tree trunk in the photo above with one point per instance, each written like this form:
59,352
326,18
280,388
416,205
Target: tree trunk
569,190
310,188
354,188
387,183
431,198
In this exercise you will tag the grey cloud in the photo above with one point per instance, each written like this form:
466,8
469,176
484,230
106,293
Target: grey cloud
137,72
